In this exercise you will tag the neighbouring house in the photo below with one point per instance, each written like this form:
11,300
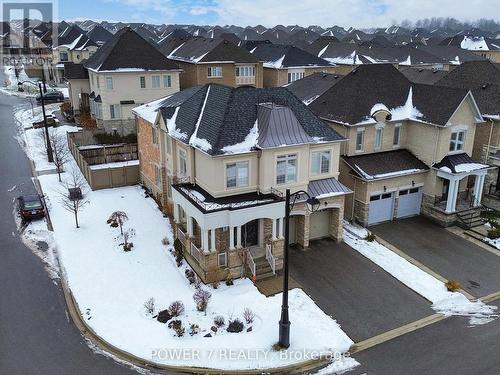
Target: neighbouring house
409,149
480,45
99,35
216,61
285,64
483,79
309,88
78,88
125,72
218,160
73,46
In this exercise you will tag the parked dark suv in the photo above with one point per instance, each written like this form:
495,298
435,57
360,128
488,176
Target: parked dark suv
31,207
51,96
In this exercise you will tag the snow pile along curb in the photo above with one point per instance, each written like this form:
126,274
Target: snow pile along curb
443,301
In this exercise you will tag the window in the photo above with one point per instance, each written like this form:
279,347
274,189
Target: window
142,82
109,83
320,162
222,259
245,71
295,76
182,163
167,81
157,175
114,111
457,140
360,139
215,71
378,137
397,135
154,135
286,169
237,174
63,56
155,81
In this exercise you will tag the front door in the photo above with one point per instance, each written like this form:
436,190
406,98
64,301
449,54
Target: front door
250,233
446,188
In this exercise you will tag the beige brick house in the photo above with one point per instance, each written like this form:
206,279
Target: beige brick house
218,159
205,61
409,149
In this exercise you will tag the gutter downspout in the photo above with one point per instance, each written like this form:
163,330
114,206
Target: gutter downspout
353,199
489,142
436,145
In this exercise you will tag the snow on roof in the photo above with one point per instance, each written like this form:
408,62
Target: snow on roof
406,62
323,50
248,143
469,167
172,126
377,108
200,143
389,174
278,64
73,44
407,111
474,43
149,111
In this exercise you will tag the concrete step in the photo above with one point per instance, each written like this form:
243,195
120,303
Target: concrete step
264,276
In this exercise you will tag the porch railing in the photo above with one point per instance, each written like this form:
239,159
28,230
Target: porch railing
251,262
181,236
270,257
195,252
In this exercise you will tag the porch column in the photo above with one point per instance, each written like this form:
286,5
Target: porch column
204,239
189,225
274,236
176,213
451,202
231,238
238,236
279,226
478,189
212,240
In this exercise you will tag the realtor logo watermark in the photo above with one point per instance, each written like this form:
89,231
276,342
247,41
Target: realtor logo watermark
234,354
28,32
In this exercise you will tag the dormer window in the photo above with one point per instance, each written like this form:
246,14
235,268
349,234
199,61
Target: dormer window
457,140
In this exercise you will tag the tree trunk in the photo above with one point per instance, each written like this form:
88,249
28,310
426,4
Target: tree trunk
76,219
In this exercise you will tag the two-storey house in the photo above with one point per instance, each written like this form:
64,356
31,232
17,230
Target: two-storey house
123,73
218,159
216,61
409,148
285,64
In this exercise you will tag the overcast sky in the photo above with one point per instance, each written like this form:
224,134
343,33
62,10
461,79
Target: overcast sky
357,13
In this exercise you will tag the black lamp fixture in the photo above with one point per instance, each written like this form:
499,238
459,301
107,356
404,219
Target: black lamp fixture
313,204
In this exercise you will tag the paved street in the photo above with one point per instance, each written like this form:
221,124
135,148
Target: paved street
365,300
445,253
35,334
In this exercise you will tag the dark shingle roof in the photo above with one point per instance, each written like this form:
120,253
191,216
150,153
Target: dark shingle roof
205,50
350,101
99,35
75,71
229,115
74,37
312,86
454,160
128,50
421,75
451,54
292,56
375,166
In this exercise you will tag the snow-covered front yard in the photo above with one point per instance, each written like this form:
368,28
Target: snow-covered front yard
111,287
434,290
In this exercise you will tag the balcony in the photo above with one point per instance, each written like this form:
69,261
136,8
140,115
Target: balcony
245,80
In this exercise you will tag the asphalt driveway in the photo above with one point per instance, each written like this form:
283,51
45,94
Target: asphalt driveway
362,297
445,253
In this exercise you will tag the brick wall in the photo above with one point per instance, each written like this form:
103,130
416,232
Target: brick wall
149,154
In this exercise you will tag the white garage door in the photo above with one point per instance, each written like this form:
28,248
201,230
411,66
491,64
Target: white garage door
319,224
380,208
409,202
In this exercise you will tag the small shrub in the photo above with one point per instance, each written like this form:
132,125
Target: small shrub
235,326
190,275
229,279
494,233
164,316
248,315
149,305
453,285
107,138
194,329
176,325
201,297
277,347
214,329
178,252
165,241
176,308
370,237
219,321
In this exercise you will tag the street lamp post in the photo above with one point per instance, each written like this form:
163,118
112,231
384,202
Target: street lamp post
284,324
50,156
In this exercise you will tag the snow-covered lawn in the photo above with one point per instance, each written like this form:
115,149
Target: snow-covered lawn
495,242
434,290
111,286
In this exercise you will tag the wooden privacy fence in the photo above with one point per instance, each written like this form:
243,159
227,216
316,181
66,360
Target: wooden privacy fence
105,166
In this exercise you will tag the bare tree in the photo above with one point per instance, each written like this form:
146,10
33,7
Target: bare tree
117,218
75,196
60,150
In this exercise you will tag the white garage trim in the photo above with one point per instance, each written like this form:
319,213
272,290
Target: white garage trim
409,202
380,208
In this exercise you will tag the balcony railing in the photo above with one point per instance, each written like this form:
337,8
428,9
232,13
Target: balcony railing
181,236
270,257
245,80
196,253
250,262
